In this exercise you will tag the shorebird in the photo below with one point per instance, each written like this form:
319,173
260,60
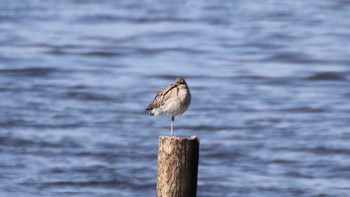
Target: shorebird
172,100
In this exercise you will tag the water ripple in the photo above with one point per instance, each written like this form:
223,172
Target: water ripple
269,84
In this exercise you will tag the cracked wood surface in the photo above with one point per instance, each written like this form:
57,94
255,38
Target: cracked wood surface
177,166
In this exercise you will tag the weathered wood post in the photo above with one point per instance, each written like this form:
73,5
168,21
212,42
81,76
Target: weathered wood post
177,166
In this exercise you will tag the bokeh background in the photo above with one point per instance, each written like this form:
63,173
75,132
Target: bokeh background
270,84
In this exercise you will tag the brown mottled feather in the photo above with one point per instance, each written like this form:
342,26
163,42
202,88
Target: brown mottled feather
161,97
171,100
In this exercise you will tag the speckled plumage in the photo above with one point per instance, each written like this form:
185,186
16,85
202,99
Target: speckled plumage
172,100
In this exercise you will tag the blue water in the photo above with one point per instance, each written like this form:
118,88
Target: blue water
270,84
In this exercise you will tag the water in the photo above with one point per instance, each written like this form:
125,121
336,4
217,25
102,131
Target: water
270,84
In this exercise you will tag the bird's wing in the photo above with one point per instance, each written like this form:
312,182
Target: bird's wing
161,97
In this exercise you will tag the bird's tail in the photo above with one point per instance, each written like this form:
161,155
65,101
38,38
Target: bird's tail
150,111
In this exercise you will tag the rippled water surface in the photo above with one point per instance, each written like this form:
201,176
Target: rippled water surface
270,84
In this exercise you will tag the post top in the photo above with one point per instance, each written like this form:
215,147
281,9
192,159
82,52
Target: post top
193,137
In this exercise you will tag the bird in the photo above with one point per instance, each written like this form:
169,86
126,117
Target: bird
172,100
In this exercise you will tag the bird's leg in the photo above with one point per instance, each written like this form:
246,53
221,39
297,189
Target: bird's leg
172,125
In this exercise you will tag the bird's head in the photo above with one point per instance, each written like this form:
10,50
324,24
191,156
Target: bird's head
180,80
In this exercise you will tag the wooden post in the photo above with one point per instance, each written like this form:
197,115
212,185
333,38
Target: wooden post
177,166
